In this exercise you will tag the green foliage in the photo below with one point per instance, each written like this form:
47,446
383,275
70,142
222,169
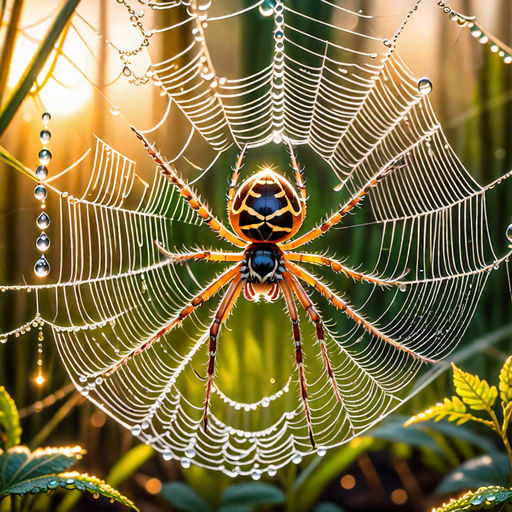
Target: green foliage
236,498
43,470
10,430
485,498
487,470
484,470
325,506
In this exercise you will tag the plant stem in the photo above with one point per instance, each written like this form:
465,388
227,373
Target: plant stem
36,64
9,42
502,431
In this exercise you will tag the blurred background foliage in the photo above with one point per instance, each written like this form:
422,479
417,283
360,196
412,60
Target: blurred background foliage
392,468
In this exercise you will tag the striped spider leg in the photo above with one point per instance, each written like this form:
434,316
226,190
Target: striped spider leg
336,217
207,292
348,310
190,196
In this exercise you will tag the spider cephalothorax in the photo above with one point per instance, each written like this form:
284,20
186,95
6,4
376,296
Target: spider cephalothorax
265,212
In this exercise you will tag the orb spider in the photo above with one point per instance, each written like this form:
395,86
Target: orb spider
265,212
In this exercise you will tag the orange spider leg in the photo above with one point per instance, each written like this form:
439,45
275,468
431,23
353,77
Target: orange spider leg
336,217
299,181
225,307
343,306
206,294
309,307
292,310
234,178
190,196
338,267
201,255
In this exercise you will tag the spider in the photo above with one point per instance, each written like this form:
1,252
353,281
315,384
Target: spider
265,212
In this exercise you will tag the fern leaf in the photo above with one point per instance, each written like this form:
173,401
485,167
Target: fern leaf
484,498
454,410
474,391
10,430
506,382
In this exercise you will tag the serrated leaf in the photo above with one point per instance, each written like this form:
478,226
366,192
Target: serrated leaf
10,430
474,391
70,481
256,493
485,498
506,382
493,469
183,497
19,464
453,409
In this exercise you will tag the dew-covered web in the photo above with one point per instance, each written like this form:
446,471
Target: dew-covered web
354,102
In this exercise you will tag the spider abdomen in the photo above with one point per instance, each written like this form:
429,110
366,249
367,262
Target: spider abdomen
266,208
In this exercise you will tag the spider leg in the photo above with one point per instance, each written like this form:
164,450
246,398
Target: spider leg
225,307
315,259
336,217
205,294
351,313
299,180
292,310
234,178
309,307
201,255
190,196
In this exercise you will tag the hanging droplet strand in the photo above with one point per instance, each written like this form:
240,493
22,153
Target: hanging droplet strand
42,267
39,376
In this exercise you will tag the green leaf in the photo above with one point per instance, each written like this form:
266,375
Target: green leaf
393,430
325,506
485,498
10,430
236,508
255,493
506,382
19,466
481,471
71,481
183,497
474,392
454,409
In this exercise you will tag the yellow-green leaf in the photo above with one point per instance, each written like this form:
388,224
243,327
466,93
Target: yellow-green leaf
485,498
10,430
474,392
454,410
506,382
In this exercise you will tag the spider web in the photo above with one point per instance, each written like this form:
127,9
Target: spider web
352,100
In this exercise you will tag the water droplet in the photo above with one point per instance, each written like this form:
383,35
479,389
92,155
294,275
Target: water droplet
402,287
277,138
279,35
424,86
145,425
42,267
41,172
266,8
297,458
70,481
53,484
40,193
321,451
494,48
46,117
167,455
475,31
43,221
507,59
476,502
255,474
43,242
272,471
207,74
115,111
45,156
126,71
509,233
491,498
190,452
265,402
185,463
99,381
135,430
45,136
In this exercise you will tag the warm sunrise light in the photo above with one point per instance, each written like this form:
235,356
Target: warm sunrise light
67,91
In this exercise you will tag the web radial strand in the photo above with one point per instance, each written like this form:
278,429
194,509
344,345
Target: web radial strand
350,98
